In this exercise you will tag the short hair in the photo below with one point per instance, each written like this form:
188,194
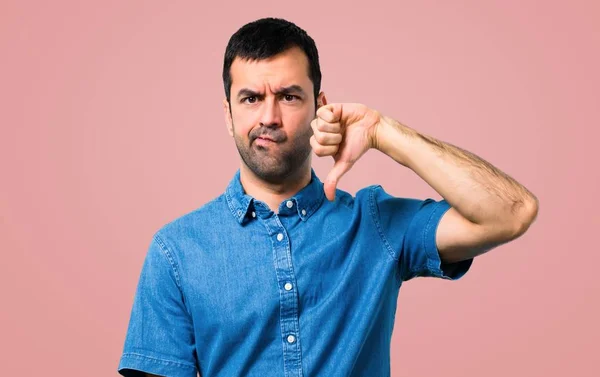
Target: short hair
266,37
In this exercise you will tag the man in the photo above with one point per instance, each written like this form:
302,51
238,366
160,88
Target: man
285,275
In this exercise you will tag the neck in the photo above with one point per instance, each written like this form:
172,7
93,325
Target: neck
273,194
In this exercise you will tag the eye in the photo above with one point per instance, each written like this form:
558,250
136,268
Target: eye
251,99
290,98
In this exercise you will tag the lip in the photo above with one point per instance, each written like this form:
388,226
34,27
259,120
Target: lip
263,142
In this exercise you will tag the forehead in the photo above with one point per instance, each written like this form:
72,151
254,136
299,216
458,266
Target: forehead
287,68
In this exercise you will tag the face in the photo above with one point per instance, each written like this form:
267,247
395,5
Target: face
272,105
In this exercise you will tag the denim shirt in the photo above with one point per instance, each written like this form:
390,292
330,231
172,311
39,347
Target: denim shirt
235,289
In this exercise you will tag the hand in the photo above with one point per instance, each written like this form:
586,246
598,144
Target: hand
345,131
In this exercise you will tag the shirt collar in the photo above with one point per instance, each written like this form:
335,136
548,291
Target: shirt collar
305,202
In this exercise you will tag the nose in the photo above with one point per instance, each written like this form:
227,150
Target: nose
271,113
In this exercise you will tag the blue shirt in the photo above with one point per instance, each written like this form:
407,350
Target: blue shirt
234,289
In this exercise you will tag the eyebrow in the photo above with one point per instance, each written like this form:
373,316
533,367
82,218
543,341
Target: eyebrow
292,89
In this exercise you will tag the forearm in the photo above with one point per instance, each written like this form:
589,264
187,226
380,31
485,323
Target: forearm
477,190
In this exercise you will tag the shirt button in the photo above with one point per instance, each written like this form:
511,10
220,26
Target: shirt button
279,237
287,286
291,338
303,212
253,214
289,204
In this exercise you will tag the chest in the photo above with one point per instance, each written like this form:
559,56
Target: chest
241,284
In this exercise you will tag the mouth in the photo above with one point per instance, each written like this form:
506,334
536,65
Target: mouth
264,141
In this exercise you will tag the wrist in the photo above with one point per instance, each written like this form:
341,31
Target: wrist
392,138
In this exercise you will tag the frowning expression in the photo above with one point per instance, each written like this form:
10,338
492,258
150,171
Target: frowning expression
272,105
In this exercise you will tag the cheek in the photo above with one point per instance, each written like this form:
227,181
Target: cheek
302,128
242,125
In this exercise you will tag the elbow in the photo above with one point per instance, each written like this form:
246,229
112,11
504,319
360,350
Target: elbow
528,215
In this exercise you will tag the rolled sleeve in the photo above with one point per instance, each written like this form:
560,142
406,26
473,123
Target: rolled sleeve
408,227
160,335
424,227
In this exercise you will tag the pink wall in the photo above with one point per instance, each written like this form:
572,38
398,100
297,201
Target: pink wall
112,125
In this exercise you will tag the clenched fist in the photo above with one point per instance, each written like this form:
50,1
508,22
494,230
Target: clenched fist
345,131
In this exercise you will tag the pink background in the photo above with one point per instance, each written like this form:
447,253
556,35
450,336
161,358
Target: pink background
112,125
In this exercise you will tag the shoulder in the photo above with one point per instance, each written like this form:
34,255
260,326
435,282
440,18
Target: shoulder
365,196
190,224
361,201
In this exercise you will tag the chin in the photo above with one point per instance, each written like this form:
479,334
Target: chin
274,175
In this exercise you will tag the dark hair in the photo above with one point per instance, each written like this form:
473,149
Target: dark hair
266,37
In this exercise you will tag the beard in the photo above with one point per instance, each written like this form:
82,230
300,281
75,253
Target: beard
278,161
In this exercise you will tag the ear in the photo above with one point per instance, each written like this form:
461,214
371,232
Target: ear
321,100
228,120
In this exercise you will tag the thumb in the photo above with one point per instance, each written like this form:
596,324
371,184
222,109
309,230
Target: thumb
337,171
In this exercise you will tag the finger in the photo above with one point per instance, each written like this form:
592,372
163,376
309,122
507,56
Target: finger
323,150
328,138
325,138
330,113
322,125
339,169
